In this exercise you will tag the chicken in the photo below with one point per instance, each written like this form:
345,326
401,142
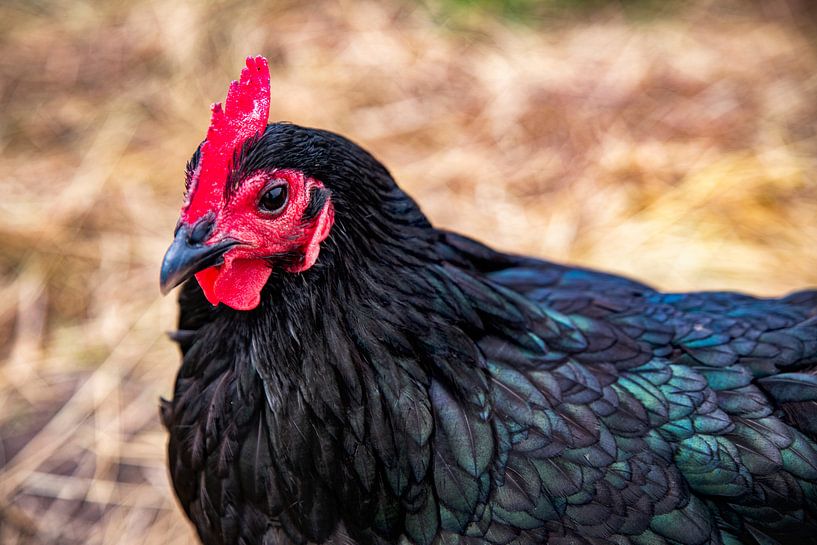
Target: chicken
353,375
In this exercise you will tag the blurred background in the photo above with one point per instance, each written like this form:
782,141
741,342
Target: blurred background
674,141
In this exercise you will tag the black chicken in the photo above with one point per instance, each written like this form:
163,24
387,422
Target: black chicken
370,379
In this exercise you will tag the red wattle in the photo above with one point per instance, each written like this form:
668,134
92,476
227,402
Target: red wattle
207,280
237,283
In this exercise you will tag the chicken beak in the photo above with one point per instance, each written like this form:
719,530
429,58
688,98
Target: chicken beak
185,258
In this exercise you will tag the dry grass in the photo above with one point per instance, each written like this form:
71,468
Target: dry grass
677,147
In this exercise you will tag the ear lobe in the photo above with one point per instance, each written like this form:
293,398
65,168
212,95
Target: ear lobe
319,233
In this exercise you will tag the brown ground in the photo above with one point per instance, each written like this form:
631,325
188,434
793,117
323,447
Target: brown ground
677,145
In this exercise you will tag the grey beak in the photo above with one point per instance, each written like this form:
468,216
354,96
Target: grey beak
185,258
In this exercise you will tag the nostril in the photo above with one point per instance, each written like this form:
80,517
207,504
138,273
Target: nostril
202,230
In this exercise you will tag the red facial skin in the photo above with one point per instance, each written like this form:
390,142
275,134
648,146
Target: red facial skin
239,280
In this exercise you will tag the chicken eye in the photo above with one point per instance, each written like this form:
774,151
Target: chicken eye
273,199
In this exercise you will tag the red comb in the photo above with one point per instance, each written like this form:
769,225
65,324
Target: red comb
245,114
